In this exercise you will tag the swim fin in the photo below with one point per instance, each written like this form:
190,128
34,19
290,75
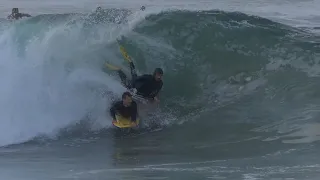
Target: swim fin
125,54
112,67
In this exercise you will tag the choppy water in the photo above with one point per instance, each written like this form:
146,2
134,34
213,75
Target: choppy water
240,99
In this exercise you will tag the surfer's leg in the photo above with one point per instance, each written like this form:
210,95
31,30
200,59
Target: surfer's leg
123,78
133,72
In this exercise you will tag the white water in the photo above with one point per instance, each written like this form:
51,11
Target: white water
49,85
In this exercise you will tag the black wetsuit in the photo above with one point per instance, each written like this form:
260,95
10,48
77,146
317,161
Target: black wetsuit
146,85
126,112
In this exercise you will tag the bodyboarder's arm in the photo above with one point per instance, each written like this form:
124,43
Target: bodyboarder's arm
134,112
157,92
10,17
25,15
113,110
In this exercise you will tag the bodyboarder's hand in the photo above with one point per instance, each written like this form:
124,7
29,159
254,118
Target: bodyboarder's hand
155,99
133,124
134,90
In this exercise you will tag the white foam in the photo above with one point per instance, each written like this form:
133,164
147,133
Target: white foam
50,84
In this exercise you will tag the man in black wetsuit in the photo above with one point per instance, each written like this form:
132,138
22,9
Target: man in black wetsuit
126,108
148,86
16,15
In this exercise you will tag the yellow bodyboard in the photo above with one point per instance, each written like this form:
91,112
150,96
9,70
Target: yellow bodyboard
123,122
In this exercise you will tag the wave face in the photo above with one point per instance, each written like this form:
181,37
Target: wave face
228,74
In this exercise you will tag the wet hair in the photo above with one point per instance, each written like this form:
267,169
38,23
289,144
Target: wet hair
158,71
125,94
15,10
